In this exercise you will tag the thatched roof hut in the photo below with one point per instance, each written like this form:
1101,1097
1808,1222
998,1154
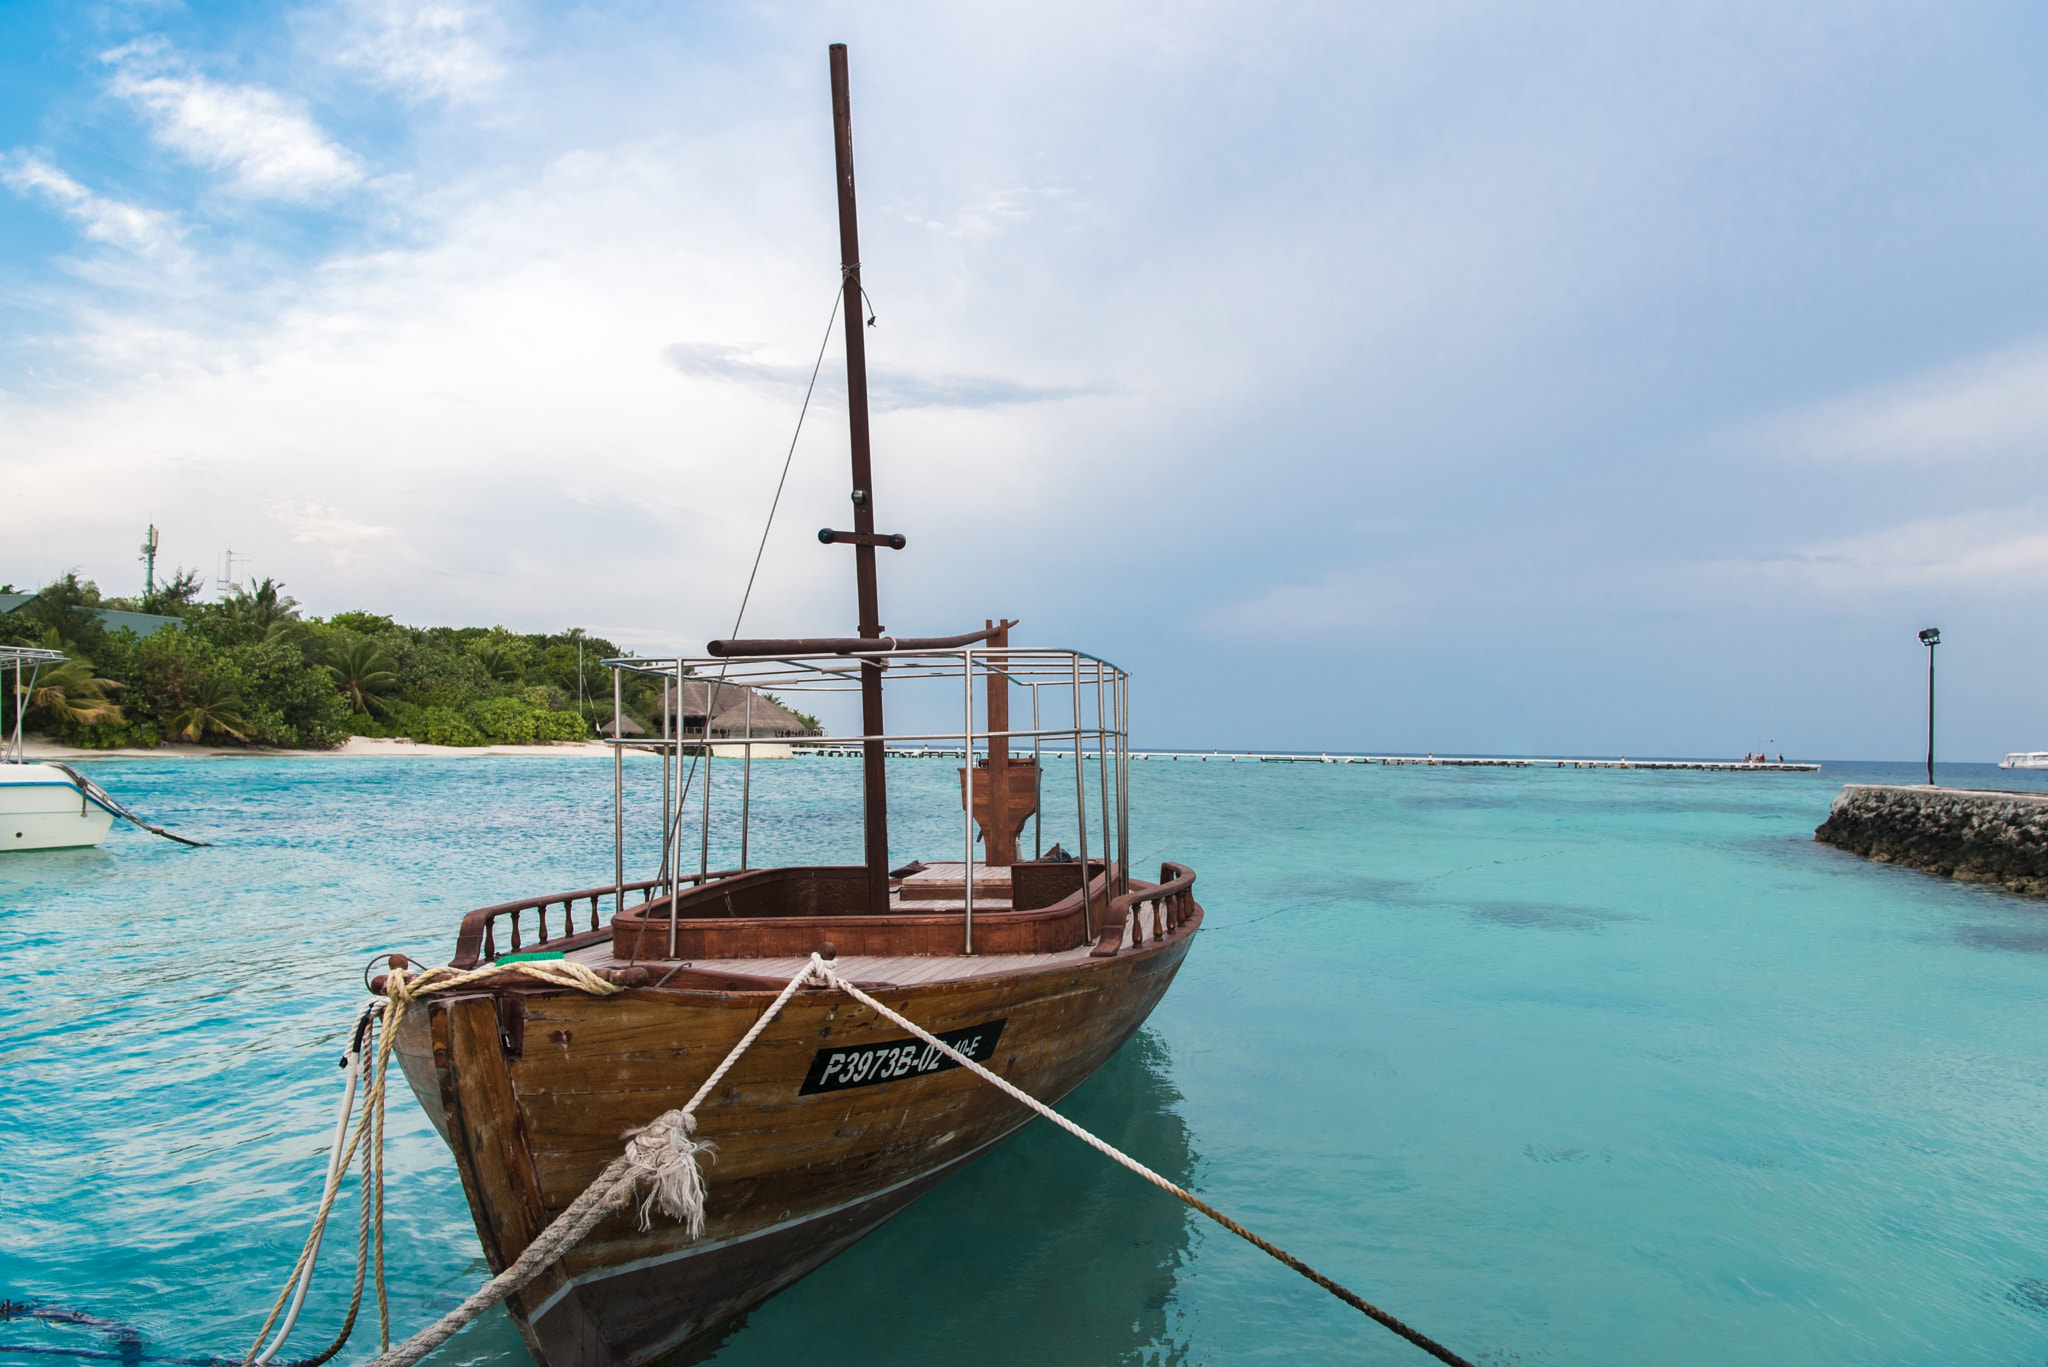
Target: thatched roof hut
730,720
625,723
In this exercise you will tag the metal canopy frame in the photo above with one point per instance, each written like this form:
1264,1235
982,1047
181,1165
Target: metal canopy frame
29,660
1097,707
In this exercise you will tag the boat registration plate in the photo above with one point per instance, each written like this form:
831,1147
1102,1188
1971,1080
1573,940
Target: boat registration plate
866,1065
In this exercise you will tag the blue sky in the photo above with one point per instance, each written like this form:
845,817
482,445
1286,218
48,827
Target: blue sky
1464,377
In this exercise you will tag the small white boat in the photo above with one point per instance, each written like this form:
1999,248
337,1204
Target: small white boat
2025,759
43,808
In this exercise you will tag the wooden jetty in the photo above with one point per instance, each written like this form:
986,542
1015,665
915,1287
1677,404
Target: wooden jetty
837,749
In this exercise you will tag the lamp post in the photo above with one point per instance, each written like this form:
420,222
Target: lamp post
1930,638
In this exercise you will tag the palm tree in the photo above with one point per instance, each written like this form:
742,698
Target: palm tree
262,605
499,663
362,671
71,692
214,707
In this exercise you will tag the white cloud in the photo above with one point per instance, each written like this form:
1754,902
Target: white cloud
888,390
268,143
1349,603
104,220
426,48
1990,406
1985,553
345,538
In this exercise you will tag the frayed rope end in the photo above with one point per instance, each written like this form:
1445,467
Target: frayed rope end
663,1156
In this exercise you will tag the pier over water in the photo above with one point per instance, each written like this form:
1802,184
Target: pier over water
839,751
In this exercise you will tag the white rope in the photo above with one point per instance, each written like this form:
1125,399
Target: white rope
660,1154
1436,1350
336,1165
826,974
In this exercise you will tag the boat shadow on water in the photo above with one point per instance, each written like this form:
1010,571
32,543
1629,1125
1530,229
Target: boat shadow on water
1041,1251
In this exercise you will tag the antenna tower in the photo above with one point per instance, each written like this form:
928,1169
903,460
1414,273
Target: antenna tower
227,579
148,559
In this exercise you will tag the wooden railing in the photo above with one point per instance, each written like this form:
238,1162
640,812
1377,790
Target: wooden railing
1172,902
477,941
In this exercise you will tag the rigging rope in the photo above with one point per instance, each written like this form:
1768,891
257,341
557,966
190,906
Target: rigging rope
746,595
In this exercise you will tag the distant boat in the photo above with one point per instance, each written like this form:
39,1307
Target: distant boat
2025,759
43,806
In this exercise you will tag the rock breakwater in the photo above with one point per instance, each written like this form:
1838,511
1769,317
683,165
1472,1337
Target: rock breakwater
1970,835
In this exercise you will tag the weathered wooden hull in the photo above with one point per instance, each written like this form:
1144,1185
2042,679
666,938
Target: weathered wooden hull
534,1088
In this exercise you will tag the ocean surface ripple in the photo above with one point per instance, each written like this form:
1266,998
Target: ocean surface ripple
1562,1067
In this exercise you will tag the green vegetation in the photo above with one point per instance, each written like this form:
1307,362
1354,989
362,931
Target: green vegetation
250,670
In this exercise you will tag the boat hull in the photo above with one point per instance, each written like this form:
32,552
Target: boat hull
533,1089
42,809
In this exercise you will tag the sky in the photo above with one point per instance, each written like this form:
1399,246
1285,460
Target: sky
1460,377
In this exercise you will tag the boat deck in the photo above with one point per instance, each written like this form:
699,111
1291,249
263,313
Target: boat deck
868,970
935,889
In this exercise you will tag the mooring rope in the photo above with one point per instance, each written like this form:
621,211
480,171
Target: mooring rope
661,1155
367,1136
1428,1345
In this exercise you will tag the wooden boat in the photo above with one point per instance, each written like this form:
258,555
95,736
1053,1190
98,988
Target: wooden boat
1040,968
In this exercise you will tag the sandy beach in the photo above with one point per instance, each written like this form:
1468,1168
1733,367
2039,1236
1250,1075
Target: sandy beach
358,747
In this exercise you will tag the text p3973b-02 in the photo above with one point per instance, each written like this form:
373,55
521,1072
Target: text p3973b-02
865,1065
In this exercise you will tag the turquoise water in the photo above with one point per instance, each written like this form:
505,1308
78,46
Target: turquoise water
1601,1068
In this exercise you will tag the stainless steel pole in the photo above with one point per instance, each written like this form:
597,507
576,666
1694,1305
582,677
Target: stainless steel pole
1038,810
704,840
747,780
1081,806
1109,850
672,836
967,788
667,759
618,791
1123,773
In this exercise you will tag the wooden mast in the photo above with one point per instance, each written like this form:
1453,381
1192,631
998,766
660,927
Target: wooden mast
875,790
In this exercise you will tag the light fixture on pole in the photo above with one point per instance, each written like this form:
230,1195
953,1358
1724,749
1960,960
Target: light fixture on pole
1930,638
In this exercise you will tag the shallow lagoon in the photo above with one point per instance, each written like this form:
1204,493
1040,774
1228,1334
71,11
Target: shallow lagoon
1572,1067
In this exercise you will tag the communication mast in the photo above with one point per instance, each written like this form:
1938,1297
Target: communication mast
227,580
148,559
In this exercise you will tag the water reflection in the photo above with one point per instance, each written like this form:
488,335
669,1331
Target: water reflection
1545,915
1044,1251
2016,939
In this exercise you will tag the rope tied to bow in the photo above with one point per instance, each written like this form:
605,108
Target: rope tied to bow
660,1165
660,1156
